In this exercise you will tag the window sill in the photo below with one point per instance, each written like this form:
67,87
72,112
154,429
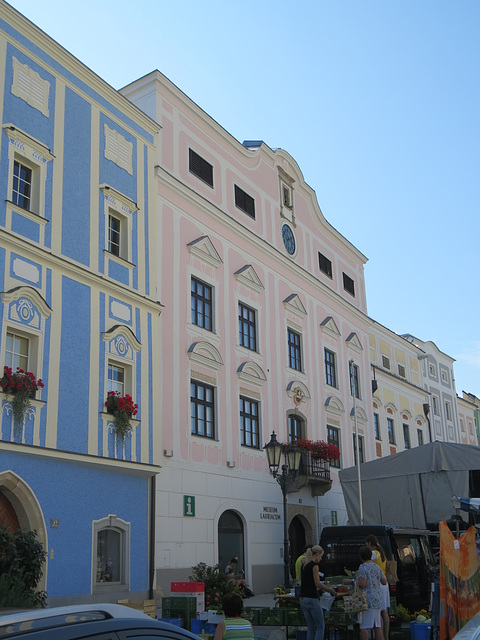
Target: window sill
34,217
119,260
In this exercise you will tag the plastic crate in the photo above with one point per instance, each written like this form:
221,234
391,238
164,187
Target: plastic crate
202,627
175,621
294,617
252,614
272,617
147,606
184,608
420,630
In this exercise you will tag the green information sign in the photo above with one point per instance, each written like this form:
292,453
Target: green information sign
334,518
189,506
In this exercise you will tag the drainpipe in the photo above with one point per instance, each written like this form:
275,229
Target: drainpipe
151,559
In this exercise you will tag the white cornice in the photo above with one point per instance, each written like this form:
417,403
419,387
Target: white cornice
329,326
204,249
72,64
295,305
79,272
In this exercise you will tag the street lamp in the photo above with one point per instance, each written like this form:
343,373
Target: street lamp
285,479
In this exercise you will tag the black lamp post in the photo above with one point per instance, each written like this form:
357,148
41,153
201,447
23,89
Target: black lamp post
285,478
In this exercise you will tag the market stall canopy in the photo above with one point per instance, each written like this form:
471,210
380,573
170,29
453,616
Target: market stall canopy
410,488
470,504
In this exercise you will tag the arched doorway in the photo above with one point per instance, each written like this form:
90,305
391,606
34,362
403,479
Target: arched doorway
8,517
230,540
297,538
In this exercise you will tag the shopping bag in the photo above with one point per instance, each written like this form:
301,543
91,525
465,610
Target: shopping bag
391,571
326,601
357,602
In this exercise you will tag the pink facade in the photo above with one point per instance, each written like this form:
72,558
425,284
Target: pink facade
266,260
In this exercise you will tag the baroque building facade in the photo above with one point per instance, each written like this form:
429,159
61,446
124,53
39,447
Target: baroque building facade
146,251
79,311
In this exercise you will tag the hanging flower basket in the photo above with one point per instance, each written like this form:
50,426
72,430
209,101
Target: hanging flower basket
22,385
123,410
318,449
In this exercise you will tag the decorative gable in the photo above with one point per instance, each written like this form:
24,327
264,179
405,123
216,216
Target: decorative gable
329,326
121,342
203,248
354,343
251,372
334,406
298,391
26,306
295,305
248,276
205,354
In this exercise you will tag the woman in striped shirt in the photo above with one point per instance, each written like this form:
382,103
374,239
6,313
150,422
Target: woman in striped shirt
234,627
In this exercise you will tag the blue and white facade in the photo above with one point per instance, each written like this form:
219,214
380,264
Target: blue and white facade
79,311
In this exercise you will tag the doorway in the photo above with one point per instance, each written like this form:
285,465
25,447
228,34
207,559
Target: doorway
297,538
8,517
230,540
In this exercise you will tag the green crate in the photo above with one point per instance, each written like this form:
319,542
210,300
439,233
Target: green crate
393,606
178,607
272,617
252,614
294,617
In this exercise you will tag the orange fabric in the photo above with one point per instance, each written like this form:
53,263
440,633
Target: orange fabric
459,580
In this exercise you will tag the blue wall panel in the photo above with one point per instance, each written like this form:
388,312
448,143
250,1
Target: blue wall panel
22,115
76,179
25,227
72,434
77,495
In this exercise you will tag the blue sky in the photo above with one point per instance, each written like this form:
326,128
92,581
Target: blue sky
377,100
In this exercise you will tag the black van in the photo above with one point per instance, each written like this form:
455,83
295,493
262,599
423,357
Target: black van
416,566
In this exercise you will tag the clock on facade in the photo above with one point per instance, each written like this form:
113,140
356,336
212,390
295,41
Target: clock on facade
288,239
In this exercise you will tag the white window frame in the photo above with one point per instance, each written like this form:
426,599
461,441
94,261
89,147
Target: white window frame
385,362
121,207
401,370
34,155
121,526
448,410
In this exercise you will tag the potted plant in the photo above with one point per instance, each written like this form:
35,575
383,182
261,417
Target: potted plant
123,410
22,385
318,449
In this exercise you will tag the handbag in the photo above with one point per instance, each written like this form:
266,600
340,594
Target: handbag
357,602
326,601
391,571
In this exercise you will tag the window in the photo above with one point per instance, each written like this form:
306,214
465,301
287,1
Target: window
348,284
294,350
202,406
435,405
114,236
202,309
354,382
330,368
296,428
391,431
249,423
325,264
462,424
116,379
16,351
360,448
22,185
406,436
385,362
111,539
376,426
27,171
200,168
401,370
333,437
244,202
448,410
287,197
247,327
420,437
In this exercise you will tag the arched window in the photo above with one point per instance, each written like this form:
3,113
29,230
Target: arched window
296,428
111,553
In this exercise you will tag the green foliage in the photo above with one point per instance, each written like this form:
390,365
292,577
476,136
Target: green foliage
21,566
402,613
217,584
